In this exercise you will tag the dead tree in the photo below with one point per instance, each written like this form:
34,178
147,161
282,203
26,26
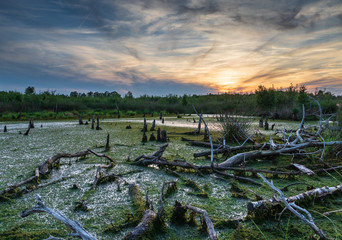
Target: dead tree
107,143
78,230
163,136
152,137
31,123
143,226
98,124
296,210
93,122
261,122
153,125
144,129
198,130
266,124
80,121
144,137
158,135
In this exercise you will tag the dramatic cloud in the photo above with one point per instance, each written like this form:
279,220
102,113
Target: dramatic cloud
161,47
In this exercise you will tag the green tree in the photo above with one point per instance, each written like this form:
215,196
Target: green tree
29,90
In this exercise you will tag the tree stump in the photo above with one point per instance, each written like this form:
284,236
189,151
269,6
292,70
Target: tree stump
266,123
272,127
98,124
158,135
5,128
144,138
163,121
163,136
145,126
93,122
160,116
261,122
107,142
31,123
153,125
152,137
80,121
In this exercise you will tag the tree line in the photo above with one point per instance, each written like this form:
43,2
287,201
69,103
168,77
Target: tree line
276,103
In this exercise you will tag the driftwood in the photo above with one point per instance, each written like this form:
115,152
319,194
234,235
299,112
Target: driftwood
78,229
303,169
241,157
316,193
299,212
143,226
46,167
98,173
210,226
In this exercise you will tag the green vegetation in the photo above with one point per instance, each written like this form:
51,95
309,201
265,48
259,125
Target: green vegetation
279,103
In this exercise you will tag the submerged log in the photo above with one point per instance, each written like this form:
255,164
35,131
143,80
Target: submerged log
78,230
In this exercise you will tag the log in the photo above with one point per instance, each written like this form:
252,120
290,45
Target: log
209,224
239,158
78,230
303,169
314,193
143,226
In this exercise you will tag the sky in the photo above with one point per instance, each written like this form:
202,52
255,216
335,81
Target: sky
160,47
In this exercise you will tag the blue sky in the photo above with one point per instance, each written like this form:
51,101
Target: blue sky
161,47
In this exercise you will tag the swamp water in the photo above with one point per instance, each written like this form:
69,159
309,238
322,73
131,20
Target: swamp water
20,155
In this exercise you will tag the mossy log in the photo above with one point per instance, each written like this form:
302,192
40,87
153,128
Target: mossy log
275,203
78,229
143,227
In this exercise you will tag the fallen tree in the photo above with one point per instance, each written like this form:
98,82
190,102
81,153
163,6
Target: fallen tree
78,229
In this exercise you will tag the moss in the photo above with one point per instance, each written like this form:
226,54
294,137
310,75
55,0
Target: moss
17,232
137,201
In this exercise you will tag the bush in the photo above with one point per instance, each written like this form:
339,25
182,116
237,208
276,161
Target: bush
235,128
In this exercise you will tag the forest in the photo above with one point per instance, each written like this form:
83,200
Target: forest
266,165
277,103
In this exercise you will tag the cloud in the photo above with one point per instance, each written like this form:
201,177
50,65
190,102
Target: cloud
223,45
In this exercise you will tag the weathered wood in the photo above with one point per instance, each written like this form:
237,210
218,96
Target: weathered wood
93,122
241,157
143,226
303,169
152,137
78,229
153,125
98,124
209,224
163,136
314,193
107,143
80,121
